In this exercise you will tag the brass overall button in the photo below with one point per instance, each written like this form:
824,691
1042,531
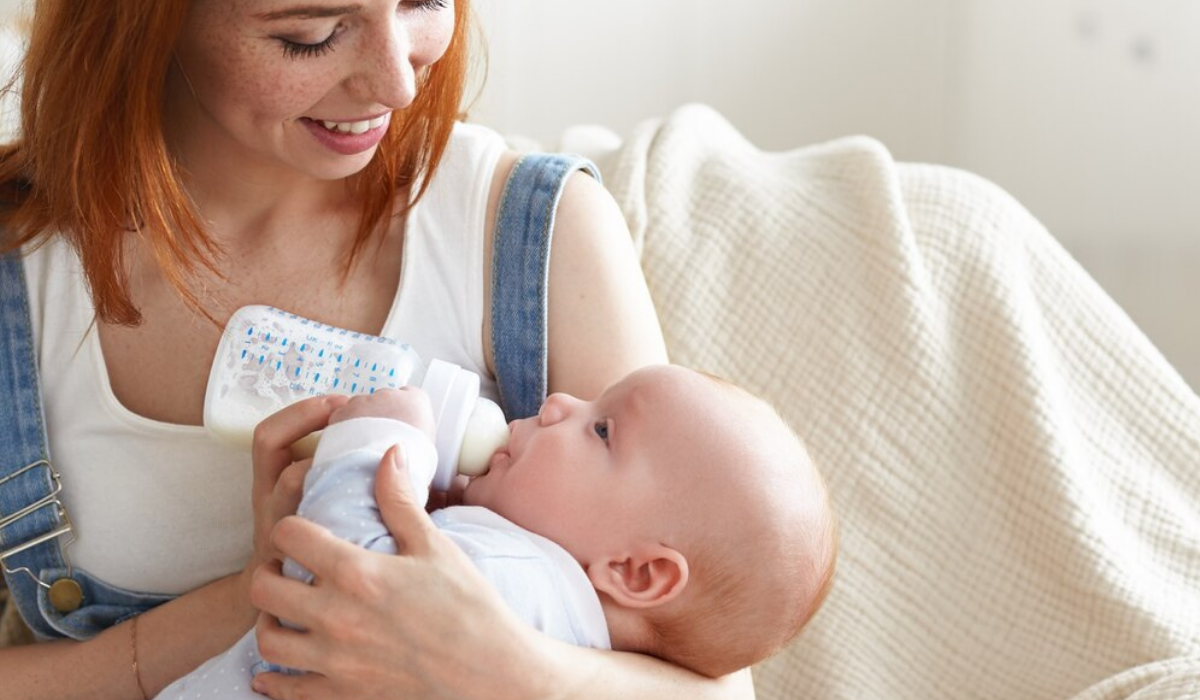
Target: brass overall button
66,595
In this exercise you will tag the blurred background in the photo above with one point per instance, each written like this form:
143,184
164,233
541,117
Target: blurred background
1088,111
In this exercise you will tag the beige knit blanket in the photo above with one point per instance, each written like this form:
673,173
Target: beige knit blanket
1015,467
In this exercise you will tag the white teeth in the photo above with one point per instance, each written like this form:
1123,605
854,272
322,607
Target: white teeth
358,127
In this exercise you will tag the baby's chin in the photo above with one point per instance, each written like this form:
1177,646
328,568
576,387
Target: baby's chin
479,489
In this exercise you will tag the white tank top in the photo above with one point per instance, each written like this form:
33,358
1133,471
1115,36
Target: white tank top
164,508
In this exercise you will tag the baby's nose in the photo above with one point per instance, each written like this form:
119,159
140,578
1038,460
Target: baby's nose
555,408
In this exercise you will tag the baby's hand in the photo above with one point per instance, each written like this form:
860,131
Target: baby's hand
408,404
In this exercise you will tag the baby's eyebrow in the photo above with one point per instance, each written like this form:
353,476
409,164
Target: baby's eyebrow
309,12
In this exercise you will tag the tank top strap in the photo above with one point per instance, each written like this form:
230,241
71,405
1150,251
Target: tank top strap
520,276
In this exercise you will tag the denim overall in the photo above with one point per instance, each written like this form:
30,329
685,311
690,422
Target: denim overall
57,600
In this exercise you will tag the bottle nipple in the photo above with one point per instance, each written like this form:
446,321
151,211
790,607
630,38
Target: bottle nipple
487,431
469,428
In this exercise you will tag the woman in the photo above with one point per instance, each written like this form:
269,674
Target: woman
181,159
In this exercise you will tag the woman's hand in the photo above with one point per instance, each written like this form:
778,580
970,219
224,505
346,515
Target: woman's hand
278,479
423,624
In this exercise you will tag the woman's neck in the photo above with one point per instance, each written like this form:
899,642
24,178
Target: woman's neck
248,213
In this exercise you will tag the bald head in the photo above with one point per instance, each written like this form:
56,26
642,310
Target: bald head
752,514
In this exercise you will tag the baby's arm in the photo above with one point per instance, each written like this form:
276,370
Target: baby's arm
340,486
408,404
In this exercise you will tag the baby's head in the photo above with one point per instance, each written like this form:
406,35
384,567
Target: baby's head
693,507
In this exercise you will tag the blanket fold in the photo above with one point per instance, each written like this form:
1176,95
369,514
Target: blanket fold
1015,467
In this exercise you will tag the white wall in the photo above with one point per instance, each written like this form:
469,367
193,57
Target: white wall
1088,111
786,72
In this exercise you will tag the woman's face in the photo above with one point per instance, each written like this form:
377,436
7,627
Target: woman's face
308,85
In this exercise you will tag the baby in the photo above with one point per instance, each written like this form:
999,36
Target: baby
676,516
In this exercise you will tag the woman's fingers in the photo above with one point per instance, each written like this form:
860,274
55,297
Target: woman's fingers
402,513
281,686
282,597
278,481
275,434
286,647
325,555
289,488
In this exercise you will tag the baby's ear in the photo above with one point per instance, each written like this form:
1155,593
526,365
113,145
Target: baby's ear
652,576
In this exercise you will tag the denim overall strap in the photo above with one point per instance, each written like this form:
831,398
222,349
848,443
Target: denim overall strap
520,276
54,599
32,519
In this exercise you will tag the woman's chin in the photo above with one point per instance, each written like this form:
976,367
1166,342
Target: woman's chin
340,167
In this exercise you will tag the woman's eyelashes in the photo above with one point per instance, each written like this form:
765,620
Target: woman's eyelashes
297,49
300,49
431,5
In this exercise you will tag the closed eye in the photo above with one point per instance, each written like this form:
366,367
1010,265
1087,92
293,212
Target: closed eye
296,49
431,5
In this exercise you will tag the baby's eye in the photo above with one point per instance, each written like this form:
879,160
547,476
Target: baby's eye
601,428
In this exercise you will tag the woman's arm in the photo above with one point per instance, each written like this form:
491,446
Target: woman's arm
602,324
370,634
177,636
172,639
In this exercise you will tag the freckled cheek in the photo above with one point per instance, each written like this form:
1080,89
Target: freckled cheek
432,43
282,99
282,106
250,86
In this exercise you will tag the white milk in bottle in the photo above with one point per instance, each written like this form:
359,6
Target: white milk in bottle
268,359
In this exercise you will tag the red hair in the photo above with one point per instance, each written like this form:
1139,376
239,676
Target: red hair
92,163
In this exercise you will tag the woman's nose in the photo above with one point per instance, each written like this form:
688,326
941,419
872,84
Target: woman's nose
385,73
555,409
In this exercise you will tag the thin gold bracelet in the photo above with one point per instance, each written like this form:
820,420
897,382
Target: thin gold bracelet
137,675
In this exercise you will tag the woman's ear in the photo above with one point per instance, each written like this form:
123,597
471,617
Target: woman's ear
654,575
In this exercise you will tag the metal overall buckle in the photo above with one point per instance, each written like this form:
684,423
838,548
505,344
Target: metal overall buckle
65,593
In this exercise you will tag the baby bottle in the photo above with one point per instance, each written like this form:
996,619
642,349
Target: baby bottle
268,359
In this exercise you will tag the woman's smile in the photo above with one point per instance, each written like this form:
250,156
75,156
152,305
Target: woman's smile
355,126
348,137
